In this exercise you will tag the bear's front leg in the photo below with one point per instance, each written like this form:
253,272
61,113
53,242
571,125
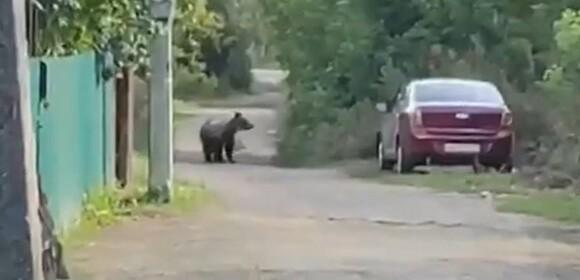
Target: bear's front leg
218,153
229,147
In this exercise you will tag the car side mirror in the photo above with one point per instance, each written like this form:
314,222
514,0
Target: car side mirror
382,107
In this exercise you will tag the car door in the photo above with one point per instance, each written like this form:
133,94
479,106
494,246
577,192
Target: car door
389,127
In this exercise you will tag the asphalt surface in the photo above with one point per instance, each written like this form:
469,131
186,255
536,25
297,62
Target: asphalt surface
319,224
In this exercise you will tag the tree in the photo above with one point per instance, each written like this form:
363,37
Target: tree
366,49
124,27
227,58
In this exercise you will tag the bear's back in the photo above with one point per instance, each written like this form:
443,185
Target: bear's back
213,128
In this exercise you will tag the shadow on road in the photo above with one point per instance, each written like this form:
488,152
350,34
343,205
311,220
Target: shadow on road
196,157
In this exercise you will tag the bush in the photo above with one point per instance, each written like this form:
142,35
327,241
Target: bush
239,71
188,85
351,135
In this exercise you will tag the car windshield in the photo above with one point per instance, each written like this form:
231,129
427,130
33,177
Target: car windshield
453,92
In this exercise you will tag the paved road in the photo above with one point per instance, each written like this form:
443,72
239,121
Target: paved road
319,224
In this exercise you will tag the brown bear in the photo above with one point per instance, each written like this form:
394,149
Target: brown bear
217,136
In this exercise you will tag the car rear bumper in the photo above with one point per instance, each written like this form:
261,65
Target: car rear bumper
494,150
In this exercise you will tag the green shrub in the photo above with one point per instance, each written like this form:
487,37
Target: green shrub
349,133
188,85
239,71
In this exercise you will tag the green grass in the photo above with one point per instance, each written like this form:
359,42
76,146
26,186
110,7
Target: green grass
183,110
441,179
553,206
179,117
457,182
107,206
514,197
185,199
556,206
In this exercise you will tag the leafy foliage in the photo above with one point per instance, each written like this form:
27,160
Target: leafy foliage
124,27
208,39
343,52
227,59
194,23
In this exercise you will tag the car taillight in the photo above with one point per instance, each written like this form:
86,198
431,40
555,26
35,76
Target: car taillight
417,118
507,119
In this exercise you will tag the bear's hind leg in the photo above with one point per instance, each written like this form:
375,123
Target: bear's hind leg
207,152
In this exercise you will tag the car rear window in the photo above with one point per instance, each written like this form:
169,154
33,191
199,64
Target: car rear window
457,92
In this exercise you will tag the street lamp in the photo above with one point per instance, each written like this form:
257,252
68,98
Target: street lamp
161,104
162,10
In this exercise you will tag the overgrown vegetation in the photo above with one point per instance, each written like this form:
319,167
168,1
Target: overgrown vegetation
106,206
346,137
123,28
342,54
207,42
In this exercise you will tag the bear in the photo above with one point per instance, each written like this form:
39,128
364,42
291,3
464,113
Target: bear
219,136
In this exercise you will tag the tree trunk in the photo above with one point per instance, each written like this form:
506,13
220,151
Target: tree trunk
124,133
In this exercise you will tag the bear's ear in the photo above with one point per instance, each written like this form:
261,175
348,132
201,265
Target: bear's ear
237,115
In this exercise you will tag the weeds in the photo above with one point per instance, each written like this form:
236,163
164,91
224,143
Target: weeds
107,206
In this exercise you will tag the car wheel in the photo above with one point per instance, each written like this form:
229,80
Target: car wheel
479,168
384,163
506,167
404,164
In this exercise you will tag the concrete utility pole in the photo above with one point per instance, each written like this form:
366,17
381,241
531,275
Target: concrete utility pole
161,104
20,229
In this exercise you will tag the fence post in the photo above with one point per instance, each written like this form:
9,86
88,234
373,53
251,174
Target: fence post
20,229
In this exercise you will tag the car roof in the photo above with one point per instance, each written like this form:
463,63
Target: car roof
429,81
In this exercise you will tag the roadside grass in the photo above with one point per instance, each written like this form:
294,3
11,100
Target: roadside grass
106,206
460,182
441,179
511,193
179,117
183,110
562,207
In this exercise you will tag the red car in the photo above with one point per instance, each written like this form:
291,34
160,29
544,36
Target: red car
446,122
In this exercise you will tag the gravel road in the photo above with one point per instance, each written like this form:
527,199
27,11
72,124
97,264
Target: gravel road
319,224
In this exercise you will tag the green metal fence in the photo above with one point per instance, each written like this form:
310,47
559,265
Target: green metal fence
73,108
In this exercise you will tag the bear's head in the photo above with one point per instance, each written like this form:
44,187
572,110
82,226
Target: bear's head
239,122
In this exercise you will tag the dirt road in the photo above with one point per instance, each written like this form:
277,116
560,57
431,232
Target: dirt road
319,224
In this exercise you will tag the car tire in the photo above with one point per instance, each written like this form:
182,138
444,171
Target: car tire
404,164
479,168
507,167
384,163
